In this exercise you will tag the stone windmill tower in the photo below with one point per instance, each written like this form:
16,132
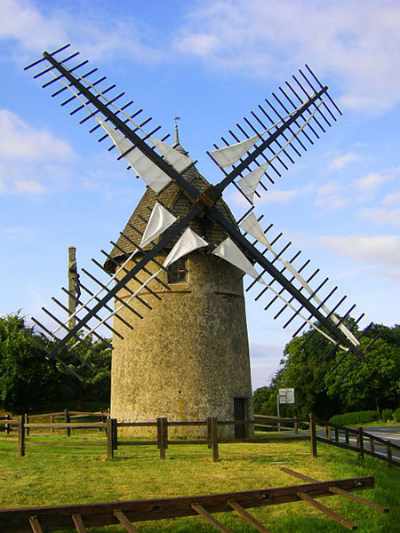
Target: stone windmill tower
182,352
189,358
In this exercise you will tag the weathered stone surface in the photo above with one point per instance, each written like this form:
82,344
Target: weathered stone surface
189,357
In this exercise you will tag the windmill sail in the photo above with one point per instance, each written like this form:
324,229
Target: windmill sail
188,242
157,164
226,157
160,219
248,184
251,225
152,175
228,250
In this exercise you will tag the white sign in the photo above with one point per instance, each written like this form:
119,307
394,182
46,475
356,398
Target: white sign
286,396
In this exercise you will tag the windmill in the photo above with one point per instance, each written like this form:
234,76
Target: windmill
182,219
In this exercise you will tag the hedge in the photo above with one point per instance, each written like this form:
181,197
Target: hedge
356,417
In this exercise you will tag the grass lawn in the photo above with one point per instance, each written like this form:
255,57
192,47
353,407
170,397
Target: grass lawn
74,470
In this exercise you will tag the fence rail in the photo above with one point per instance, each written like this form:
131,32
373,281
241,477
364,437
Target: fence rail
25,427
357,440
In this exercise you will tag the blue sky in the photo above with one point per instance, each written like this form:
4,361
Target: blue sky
209,62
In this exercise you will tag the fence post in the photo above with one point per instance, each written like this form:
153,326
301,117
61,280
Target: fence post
214,438
114,426
52,422
361,442
8,426
313,436
21,436
336,435
67,421
372,444
161,436
109,435
165,432
346,436
389,453
327,432
209,433
27,430
296,424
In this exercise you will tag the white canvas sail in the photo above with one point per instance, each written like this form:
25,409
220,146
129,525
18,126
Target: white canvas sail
229,251
174,157
151,174
249,183
226,157
251,225
159,220
187,243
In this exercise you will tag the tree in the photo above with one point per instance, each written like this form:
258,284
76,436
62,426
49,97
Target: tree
27,375
329,381
31,377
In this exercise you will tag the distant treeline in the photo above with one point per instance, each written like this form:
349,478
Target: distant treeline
329,382
30,378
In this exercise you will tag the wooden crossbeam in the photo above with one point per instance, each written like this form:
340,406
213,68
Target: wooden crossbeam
78,523
209,518
35,524
326,510
247,517
123,520
340,492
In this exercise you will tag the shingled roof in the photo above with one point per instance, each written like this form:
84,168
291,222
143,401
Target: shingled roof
178,204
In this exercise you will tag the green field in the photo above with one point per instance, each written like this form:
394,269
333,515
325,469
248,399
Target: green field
64,470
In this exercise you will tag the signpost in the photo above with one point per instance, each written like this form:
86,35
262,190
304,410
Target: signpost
284,396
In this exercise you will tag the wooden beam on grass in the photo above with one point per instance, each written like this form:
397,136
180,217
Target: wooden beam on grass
247,517
124,521
326,511
78,523
209,518
35,524
338,491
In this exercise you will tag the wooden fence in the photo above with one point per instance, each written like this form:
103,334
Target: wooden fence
357,440
126,513
25,428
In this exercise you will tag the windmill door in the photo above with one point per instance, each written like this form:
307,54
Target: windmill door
240,410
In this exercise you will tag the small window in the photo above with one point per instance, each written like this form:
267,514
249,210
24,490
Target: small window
177,272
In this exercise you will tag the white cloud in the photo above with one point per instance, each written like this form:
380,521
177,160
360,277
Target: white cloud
374,180
341,161
331,196
376,250
20,141
29,187
34,30
358,46
392,198
278,196
381,215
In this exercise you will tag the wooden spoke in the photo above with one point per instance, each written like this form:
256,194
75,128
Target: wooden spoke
78,523
247,517
341,492
359,499
209,518
326,510
35,525
123,520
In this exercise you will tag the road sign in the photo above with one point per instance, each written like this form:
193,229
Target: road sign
286,396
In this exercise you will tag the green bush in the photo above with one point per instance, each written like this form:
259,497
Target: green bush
396,415
387,414
356,417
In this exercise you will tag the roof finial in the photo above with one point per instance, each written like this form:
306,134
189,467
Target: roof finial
177,141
